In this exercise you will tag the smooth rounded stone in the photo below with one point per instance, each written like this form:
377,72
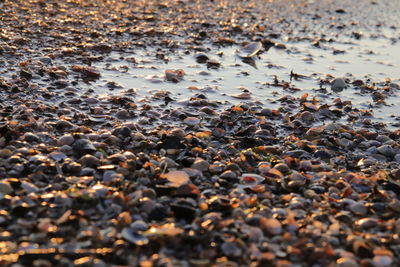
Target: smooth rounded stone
63,125
216,167
89,161
338,84
382,260
271,226
122,115
372,150
5,187
45,60
201,164
366,223
192,121
359,208
383,138
178,132
228,175
29,187
397,157
57,156
307,116
266,112
31,137
139,226
379,157
66,140
346,262
193,173
66,149
84,146
107,176
122,131
372,143
231,249
386,150
322,154
91,100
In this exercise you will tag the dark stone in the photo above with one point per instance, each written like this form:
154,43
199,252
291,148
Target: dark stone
170,142
122,132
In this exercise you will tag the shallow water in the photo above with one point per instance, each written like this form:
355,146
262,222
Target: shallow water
370,60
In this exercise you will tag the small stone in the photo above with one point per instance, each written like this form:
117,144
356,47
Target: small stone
366,223
122,131
382,260
84,146
192,121
359,208
89,161
386,150
66,140
231,249
122,115
201,164
31,137
346,262
5,187
229,174
338,84
271,226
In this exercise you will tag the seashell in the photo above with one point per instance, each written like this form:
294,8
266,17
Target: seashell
249,50
176,178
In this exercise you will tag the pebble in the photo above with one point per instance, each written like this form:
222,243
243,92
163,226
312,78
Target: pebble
271,226
359,209
5,187
338,84
192,121
201,164
229,174
346,262
386,150
66,140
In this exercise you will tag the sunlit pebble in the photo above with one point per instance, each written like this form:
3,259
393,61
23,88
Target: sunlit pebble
282,167
346,262
177,178
229,174
201,164
271,226
367,223
89,160
66,140
178,132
